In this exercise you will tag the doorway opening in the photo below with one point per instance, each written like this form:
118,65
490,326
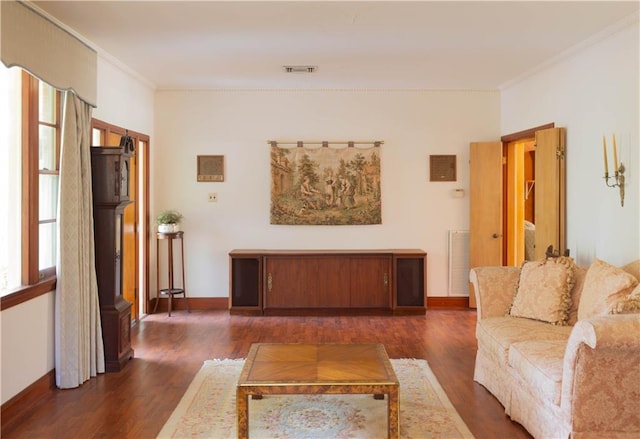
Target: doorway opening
135,245
517,198
533,194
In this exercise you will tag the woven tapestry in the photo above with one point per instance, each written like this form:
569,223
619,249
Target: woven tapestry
325,185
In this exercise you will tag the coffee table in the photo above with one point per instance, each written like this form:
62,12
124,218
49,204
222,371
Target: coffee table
277,369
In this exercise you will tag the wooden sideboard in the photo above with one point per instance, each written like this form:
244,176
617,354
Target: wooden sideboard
294,282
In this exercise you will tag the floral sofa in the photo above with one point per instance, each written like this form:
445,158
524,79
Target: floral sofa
559,346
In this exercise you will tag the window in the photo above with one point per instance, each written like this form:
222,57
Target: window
10,193
48,174
31,131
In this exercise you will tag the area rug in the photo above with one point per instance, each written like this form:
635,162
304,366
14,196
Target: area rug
208,409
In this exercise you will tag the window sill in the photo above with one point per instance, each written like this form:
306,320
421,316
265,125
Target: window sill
26,293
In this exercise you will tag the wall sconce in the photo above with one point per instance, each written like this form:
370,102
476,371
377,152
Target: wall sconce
618,169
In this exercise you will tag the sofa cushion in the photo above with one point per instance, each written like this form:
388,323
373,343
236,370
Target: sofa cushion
539,364
603,285
544,290
496,334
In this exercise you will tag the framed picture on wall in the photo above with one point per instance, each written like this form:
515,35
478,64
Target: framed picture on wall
442,167
210,168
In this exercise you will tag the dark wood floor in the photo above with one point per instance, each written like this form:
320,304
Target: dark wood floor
136,402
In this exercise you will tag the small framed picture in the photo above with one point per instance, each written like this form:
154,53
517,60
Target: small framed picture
210,168
442,167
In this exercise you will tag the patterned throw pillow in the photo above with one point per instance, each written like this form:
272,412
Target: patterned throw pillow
579,273
627,305
604,284
544,291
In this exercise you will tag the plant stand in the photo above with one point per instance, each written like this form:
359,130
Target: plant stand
171,290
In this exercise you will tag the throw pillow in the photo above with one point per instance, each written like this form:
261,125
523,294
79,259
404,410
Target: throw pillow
633,268
544,291
579,273
627,305
604,284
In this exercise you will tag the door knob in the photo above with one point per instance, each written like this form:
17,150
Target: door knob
495,235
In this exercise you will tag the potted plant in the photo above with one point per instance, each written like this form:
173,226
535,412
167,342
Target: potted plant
168,221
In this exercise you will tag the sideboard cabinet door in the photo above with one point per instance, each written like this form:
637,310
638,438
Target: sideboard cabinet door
246,283
306,282
370,278
410,281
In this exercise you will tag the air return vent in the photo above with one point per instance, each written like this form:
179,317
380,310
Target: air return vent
300,69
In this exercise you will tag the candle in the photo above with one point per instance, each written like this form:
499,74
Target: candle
604,150
615,154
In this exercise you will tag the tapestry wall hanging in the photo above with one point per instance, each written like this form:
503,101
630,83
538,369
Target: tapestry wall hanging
328,183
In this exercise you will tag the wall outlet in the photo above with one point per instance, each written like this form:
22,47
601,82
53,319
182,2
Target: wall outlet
213,197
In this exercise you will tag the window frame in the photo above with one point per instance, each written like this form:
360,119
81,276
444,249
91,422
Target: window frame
35,282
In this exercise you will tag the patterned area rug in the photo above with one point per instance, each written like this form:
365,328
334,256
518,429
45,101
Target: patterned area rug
208,410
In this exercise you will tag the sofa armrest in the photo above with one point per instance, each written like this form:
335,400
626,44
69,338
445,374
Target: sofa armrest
601,375
494,288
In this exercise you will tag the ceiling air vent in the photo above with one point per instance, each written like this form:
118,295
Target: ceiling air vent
300,69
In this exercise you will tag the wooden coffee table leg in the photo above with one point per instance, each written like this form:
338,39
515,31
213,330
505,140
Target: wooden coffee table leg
394,414
242,413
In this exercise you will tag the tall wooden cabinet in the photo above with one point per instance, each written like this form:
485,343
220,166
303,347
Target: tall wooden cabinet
110,179
281,282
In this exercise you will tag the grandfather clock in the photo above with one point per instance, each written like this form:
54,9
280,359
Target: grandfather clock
110,178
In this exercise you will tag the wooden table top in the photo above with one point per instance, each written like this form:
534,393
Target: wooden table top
274,364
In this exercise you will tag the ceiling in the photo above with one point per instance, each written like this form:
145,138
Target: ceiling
354,44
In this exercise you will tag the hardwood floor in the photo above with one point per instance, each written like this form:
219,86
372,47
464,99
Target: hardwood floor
136,402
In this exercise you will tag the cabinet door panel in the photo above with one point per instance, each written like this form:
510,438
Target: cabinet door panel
332,277
370,282
410,282
245,282
288,283
306,282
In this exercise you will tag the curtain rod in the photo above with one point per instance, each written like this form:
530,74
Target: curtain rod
326,143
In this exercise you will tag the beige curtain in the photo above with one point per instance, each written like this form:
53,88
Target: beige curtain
79,348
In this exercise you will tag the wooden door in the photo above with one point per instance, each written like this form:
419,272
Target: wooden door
370,283
130,243
550,191
485,206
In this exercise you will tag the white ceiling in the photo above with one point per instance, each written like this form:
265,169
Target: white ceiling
354,44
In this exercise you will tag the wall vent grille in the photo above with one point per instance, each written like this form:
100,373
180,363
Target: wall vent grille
458,263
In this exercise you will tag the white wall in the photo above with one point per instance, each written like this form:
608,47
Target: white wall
237,124
592,93
123,100
27,344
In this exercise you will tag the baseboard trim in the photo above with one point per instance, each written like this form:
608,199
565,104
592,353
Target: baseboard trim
21,405
327,312
448,302
211,303
195,303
